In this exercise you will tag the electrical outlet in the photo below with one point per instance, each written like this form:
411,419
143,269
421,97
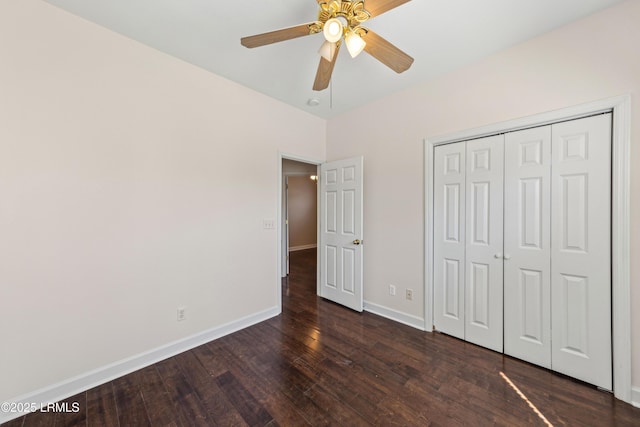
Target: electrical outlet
392,290
409,294
182,314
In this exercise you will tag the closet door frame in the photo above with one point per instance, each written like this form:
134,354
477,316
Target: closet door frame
620,218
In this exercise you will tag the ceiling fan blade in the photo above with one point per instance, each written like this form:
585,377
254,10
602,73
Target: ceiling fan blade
386,53
378,7
325,69
277,36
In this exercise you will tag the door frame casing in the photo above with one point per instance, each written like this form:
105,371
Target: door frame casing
620,217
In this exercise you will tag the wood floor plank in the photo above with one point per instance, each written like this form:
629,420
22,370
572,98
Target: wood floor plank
217,403
39,419
340,380
101,406
72,412
129,401
319,364
251,411
156,399
213,363
275,378
268,392
335,410
186,405
16,422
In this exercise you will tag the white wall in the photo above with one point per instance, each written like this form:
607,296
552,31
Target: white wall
591,59
130,183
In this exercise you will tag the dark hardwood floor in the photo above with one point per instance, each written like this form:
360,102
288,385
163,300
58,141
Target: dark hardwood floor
321,364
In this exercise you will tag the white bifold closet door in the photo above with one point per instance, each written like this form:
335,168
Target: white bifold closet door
484,228
449,238
468,240
527,245
581,249
531,271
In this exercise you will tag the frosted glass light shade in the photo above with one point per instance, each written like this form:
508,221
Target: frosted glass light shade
327,50
332,30
355,44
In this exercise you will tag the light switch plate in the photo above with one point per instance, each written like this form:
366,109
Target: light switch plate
269,224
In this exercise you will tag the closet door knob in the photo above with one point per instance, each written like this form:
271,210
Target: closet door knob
507,257
498,255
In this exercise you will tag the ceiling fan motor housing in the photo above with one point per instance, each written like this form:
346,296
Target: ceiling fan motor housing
352,12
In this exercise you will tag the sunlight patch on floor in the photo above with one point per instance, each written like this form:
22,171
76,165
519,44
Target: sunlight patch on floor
523,397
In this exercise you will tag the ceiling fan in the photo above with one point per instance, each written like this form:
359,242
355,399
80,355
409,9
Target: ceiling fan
338,20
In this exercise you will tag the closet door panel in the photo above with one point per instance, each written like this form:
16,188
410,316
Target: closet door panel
484,227
527,252
449,238
581,249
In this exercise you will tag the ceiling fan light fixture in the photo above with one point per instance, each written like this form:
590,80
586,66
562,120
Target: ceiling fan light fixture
327,50
355,43
332,30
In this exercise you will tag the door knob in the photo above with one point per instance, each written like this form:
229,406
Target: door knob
498,255
356,242
507,257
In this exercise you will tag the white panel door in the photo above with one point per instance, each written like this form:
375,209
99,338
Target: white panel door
484,230
449,239
527,253
581,249
341,229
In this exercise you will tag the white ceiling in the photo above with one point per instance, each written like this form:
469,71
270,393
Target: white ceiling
440,34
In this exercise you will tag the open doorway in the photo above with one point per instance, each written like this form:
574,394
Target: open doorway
299,219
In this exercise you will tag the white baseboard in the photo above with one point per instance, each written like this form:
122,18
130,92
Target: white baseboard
407,319
302,247
88,380
635,396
